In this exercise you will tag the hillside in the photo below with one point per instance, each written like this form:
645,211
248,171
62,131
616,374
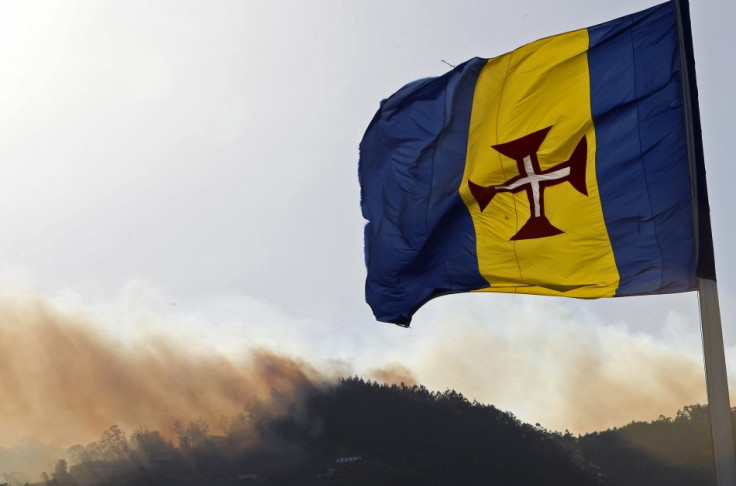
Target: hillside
668,451
362,433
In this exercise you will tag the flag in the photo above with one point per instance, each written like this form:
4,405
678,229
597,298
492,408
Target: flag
560,168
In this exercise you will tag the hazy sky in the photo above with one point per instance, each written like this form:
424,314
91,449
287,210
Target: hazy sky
190,169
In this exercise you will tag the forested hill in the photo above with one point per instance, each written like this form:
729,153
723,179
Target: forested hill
668,451
362,433
442,438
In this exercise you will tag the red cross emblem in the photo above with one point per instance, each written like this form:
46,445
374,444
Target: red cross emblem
534,180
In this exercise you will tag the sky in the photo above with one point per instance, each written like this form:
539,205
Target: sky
186,172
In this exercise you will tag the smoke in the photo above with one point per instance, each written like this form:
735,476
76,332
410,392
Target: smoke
392,374
69,370
64,382
558,365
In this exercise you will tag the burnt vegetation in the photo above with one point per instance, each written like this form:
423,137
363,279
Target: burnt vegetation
362,433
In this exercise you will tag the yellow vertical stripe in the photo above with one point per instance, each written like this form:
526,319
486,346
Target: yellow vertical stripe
543,84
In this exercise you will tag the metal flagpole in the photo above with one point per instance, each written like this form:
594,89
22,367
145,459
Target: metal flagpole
716,379
716,383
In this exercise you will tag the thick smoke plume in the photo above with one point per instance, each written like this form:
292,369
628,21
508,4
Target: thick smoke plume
563,369
63,382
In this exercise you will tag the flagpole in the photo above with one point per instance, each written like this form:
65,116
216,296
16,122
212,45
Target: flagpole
716,383
716,378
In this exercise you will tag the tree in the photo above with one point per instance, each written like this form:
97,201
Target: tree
149,441
198,431
178,427
92,452
79,454
113,444
61,474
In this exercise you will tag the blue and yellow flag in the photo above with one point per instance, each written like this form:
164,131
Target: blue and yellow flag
560,168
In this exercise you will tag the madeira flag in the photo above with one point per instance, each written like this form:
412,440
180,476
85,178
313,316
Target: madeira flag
560,168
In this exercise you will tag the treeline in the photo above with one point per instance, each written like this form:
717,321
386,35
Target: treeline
668,451
363,433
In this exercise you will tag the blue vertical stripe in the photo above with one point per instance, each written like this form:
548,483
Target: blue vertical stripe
420,240
641,156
